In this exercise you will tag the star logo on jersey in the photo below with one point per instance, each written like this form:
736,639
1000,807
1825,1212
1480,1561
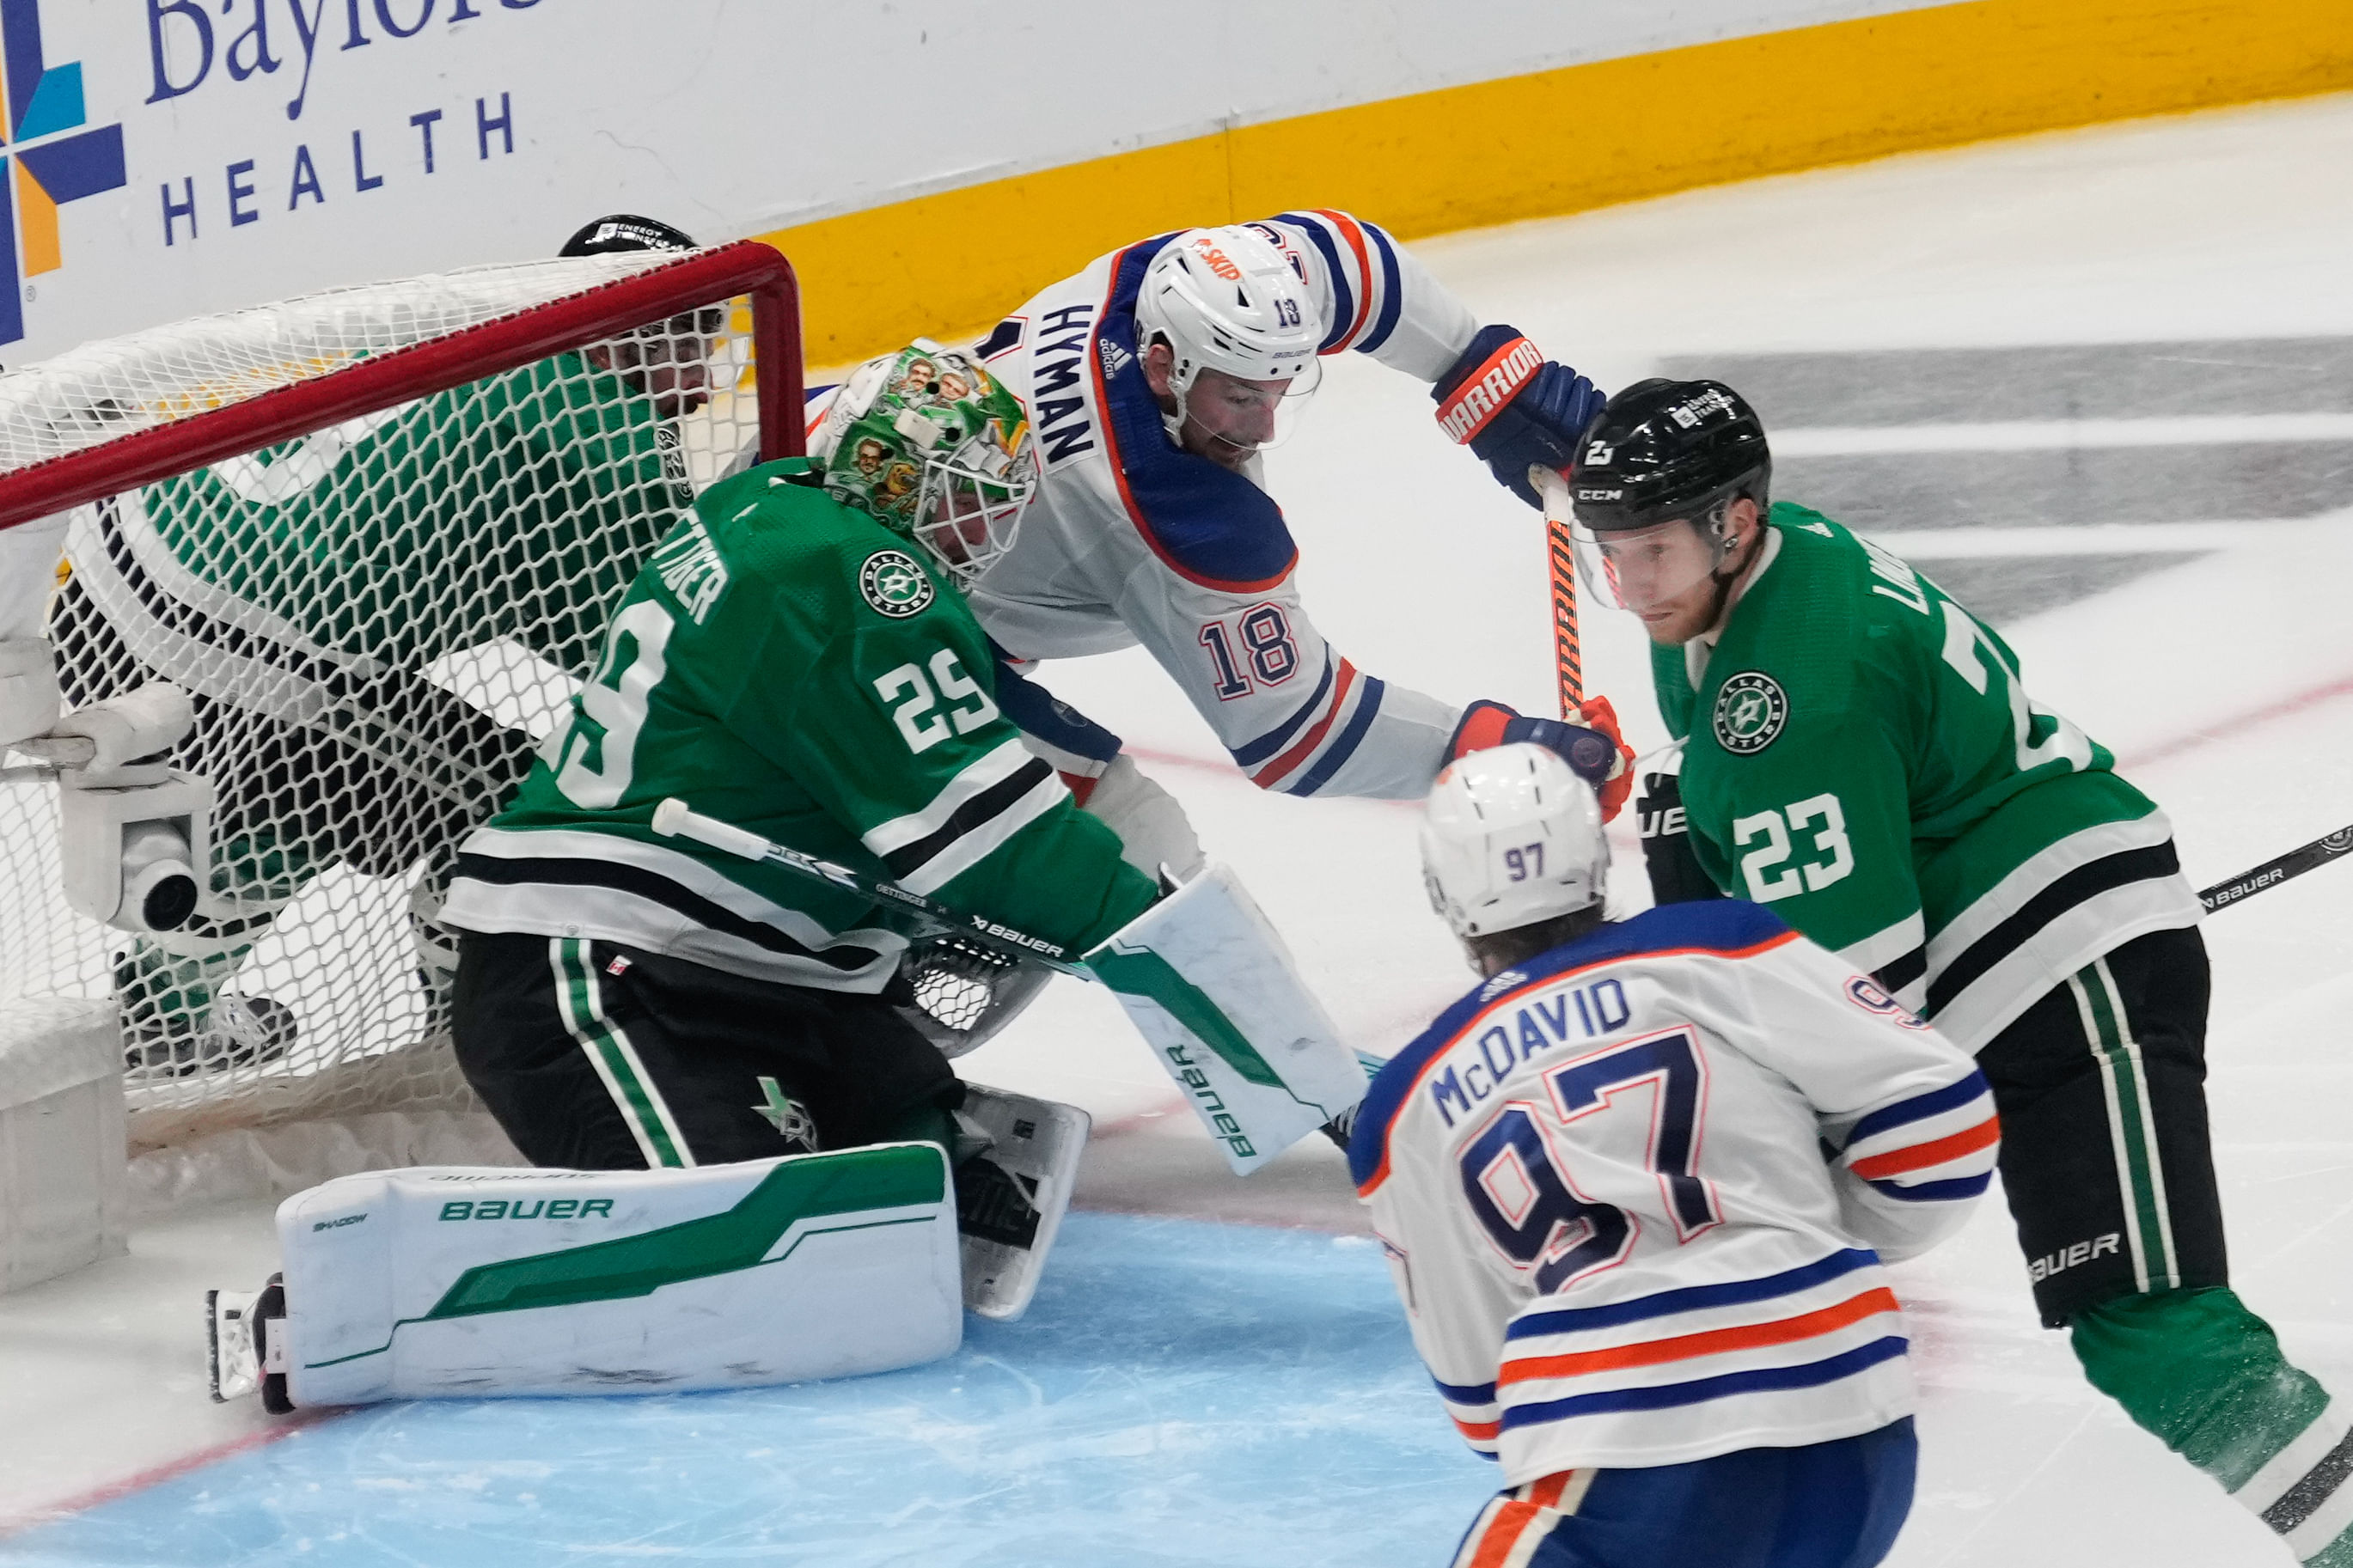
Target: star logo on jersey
788,1116
1750,711
895,583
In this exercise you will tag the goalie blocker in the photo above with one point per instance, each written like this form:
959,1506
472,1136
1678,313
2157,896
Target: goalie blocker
464,1282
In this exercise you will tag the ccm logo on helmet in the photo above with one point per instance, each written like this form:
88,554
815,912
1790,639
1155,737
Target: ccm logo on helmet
1601,495
1485,390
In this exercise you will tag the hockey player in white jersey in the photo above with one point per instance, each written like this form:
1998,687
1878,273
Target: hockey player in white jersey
1154,377
1636,1190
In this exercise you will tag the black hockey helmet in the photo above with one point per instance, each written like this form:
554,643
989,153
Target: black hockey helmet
626,231
1668,449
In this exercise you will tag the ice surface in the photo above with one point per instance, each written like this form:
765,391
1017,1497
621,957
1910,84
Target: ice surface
1215,1391
1168,1370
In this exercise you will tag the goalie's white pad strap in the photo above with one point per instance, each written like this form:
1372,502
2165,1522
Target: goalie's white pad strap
464,1282
1211,988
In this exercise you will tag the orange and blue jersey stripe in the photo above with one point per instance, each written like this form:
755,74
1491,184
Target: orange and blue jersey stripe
1367,295
1944,1148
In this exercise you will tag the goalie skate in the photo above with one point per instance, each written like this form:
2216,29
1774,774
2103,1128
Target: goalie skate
245,1356
1011,1197
243,1031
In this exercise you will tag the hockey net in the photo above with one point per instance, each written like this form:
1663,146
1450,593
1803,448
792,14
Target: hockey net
375,532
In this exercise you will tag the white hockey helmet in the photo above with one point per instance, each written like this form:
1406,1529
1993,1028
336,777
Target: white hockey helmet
1226,300
1512,837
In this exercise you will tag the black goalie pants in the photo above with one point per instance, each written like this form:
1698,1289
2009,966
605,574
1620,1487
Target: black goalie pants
599,1057
2104,1152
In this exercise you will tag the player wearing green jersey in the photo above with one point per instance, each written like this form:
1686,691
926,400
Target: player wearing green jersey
300,594
1859,754
796,659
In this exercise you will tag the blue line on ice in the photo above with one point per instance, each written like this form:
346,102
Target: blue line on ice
1180,1392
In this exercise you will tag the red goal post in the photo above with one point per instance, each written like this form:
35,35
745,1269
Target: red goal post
506,343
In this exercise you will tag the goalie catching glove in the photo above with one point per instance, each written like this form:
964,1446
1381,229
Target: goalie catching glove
1591,746
1514,409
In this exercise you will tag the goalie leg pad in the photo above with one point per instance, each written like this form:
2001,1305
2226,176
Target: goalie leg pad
1012,1194
1210,986
458,1282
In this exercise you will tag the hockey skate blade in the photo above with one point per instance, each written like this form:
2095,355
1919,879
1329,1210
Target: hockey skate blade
236,1366
1011,1199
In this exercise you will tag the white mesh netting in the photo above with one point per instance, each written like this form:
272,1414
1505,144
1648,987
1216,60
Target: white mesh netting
378,621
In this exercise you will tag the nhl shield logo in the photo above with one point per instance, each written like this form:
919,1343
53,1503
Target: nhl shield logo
1750,709
894,583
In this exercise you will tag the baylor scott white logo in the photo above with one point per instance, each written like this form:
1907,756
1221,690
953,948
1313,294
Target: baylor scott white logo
1749,711
894,583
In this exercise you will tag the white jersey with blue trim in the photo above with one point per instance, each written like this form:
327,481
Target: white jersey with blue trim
1133,540
1636,1192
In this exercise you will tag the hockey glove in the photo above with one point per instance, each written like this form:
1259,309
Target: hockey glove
1593,749
1676,877
1514,408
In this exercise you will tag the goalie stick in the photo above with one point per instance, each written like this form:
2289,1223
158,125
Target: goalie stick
918,915
1262,1069
2272,873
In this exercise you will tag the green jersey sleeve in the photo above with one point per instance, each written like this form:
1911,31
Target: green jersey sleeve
517,506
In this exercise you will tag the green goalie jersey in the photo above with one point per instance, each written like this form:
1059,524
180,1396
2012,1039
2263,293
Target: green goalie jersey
787,664
1861,756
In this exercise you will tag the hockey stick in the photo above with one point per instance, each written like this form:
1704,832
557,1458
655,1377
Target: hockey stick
1247,1103
923,916
1568,658
2272,873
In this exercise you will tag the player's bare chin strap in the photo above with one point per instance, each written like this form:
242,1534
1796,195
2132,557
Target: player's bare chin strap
1725,583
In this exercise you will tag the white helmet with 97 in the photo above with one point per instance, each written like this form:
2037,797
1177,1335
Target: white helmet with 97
1226,300
1511,839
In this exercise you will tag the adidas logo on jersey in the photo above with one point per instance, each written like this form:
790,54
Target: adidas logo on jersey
1500,984
1115,358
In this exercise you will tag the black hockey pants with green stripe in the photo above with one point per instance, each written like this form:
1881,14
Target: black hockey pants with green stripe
2109,1174
599,1057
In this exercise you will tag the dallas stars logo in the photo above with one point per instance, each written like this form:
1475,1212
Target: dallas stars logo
894,583
788,1116
1750,711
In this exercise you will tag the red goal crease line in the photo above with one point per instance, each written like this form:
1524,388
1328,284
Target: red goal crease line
488,348
278,1431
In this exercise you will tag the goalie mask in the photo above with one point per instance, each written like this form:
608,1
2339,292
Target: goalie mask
935,448
1511,836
